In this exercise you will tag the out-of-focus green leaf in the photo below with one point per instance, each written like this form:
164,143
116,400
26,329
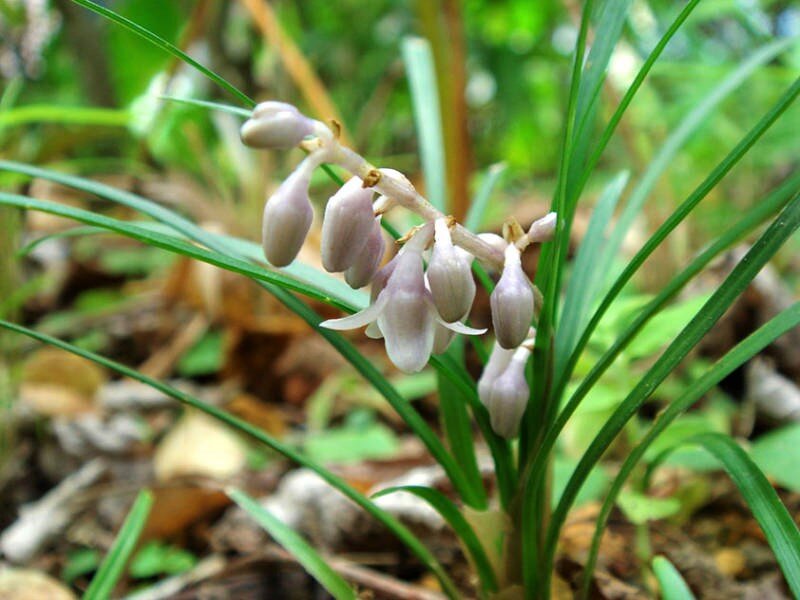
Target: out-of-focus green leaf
205,357
640,508
157,558
671,585
775,454
113,564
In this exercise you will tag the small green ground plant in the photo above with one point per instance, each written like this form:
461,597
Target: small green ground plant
528,391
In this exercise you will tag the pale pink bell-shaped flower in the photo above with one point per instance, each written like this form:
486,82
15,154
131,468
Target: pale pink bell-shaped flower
494,367
508,395
512,302
287,216
378,283
450,275
347,225
276,125
364,268
404,311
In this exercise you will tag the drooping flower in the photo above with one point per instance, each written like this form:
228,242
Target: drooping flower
404,310
450,275
494,367
512,302
507,396
347,225
276,125
364,268
287,216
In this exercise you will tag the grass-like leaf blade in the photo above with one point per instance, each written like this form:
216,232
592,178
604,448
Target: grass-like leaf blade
259,435
421,72
305,554
777,524
670,583
737,356
157,40
686,207
741,276
469,493
477,208
754,217
110,570
587,275
457,423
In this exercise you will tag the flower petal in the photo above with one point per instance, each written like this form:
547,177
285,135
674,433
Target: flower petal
359,319
407,325
459,327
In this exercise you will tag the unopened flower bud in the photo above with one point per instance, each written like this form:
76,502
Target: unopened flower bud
508,396
361,272
287,217
276,125
497,363
347,225
512,302
450,276
542,230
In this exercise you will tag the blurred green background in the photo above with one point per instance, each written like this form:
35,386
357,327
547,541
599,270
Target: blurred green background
84,93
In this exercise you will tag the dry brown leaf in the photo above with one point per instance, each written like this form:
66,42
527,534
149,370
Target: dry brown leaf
56,382
27,584
201,446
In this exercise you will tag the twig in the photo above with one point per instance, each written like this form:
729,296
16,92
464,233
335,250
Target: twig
387,586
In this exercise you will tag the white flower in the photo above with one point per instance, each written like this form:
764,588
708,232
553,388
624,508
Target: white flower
276,125
450,275
404,310
512,302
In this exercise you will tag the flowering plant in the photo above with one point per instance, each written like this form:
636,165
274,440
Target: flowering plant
421,298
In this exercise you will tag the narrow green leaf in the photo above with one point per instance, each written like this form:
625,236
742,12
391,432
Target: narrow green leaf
667,151
777,524
113,564
587,275
450,513
165,45
741,276
457,423
261,436
737,356
277,281
227,108
421,73
171,244
499,447
754,217
269,281
477,208
64,115
296,546
677,217
633,89
670,583
610,20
